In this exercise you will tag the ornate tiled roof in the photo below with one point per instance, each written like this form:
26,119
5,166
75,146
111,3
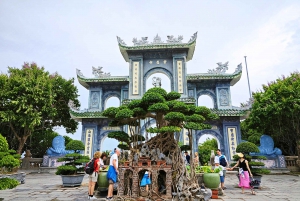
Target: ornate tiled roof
230,112
86,114
234,77
84,81
157,44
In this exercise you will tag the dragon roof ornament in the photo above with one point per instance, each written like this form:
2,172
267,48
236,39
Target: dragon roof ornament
157,40
221,69
98,73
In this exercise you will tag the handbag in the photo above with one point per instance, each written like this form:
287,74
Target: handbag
254,182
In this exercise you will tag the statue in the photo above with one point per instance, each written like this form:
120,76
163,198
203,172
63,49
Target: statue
267,147
98,73
58,147
156,81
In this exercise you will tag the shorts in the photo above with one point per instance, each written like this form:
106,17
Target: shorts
93,177
222,179
110,181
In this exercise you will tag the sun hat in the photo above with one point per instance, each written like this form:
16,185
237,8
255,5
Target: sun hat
241,155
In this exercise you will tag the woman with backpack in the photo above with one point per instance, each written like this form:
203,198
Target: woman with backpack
94,176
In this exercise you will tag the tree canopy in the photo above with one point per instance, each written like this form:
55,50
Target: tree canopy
276,112
205,150
32,99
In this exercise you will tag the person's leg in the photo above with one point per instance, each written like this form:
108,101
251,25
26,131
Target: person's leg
243,190
92,188
110,190
147,188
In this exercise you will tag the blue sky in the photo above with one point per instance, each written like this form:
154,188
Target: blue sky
63,35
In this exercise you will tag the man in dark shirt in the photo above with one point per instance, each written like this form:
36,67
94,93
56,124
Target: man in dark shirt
187,157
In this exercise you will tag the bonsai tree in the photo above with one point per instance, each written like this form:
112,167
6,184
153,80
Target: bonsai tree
8,161
246,148
125,140
73,161
171,115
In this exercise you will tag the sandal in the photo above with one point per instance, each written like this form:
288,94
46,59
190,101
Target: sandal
253,193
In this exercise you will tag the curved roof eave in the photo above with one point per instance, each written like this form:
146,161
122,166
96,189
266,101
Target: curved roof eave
190,46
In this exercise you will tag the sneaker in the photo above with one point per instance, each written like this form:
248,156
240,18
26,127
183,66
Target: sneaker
93,198
109,198
89,197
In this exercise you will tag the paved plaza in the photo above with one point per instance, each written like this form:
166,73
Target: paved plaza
46,186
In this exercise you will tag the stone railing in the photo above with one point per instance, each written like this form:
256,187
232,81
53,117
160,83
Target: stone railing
31,163
291,163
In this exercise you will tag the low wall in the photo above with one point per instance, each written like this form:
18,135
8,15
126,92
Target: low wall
291,163
31,163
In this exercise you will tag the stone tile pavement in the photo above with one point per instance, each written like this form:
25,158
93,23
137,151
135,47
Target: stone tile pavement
47,187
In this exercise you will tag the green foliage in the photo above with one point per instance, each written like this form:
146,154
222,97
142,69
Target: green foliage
259,157
159,107
8,158
134,104
173,95
165,129
124,113
75,145
66,170
31,99
207,169
257,171
247,147
276,110
256,163
151,98
123,146
175,117
3,144
185,147
204,149
158,90
8,183
119,135
110,112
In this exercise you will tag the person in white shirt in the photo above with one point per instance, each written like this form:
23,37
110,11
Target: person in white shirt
112,173
224,163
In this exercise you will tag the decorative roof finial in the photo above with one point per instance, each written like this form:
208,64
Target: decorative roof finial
172,39
99,73
120,41
143,41
221,69
157,40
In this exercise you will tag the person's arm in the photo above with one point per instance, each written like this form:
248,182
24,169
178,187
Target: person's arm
115,165
248,168
237,164
226,162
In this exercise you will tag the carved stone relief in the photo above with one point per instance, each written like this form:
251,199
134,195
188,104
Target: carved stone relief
95,100
223,97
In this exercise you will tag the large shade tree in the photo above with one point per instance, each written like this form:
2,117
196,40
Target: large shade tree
33,100
171,117
276,112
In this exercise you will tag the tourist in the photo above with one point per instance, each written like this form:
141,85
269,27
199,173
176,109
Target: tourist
244,173
224,163
146,181
187,157
94,176
196,159
103,158
112,173
218,166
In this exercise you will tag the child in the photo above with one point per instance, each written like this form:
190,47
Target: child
146,180
220,167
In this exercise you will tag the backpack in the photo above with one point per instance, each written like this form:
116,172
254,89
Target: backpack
223,161
90,167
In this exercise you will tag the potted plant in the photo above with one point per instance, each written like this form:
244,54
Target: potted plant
9,162
255,166
72,171
211,178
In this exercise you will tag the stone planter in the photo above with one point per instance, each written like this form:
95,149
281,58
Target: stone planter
211,180
18,176
72,180
102,181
